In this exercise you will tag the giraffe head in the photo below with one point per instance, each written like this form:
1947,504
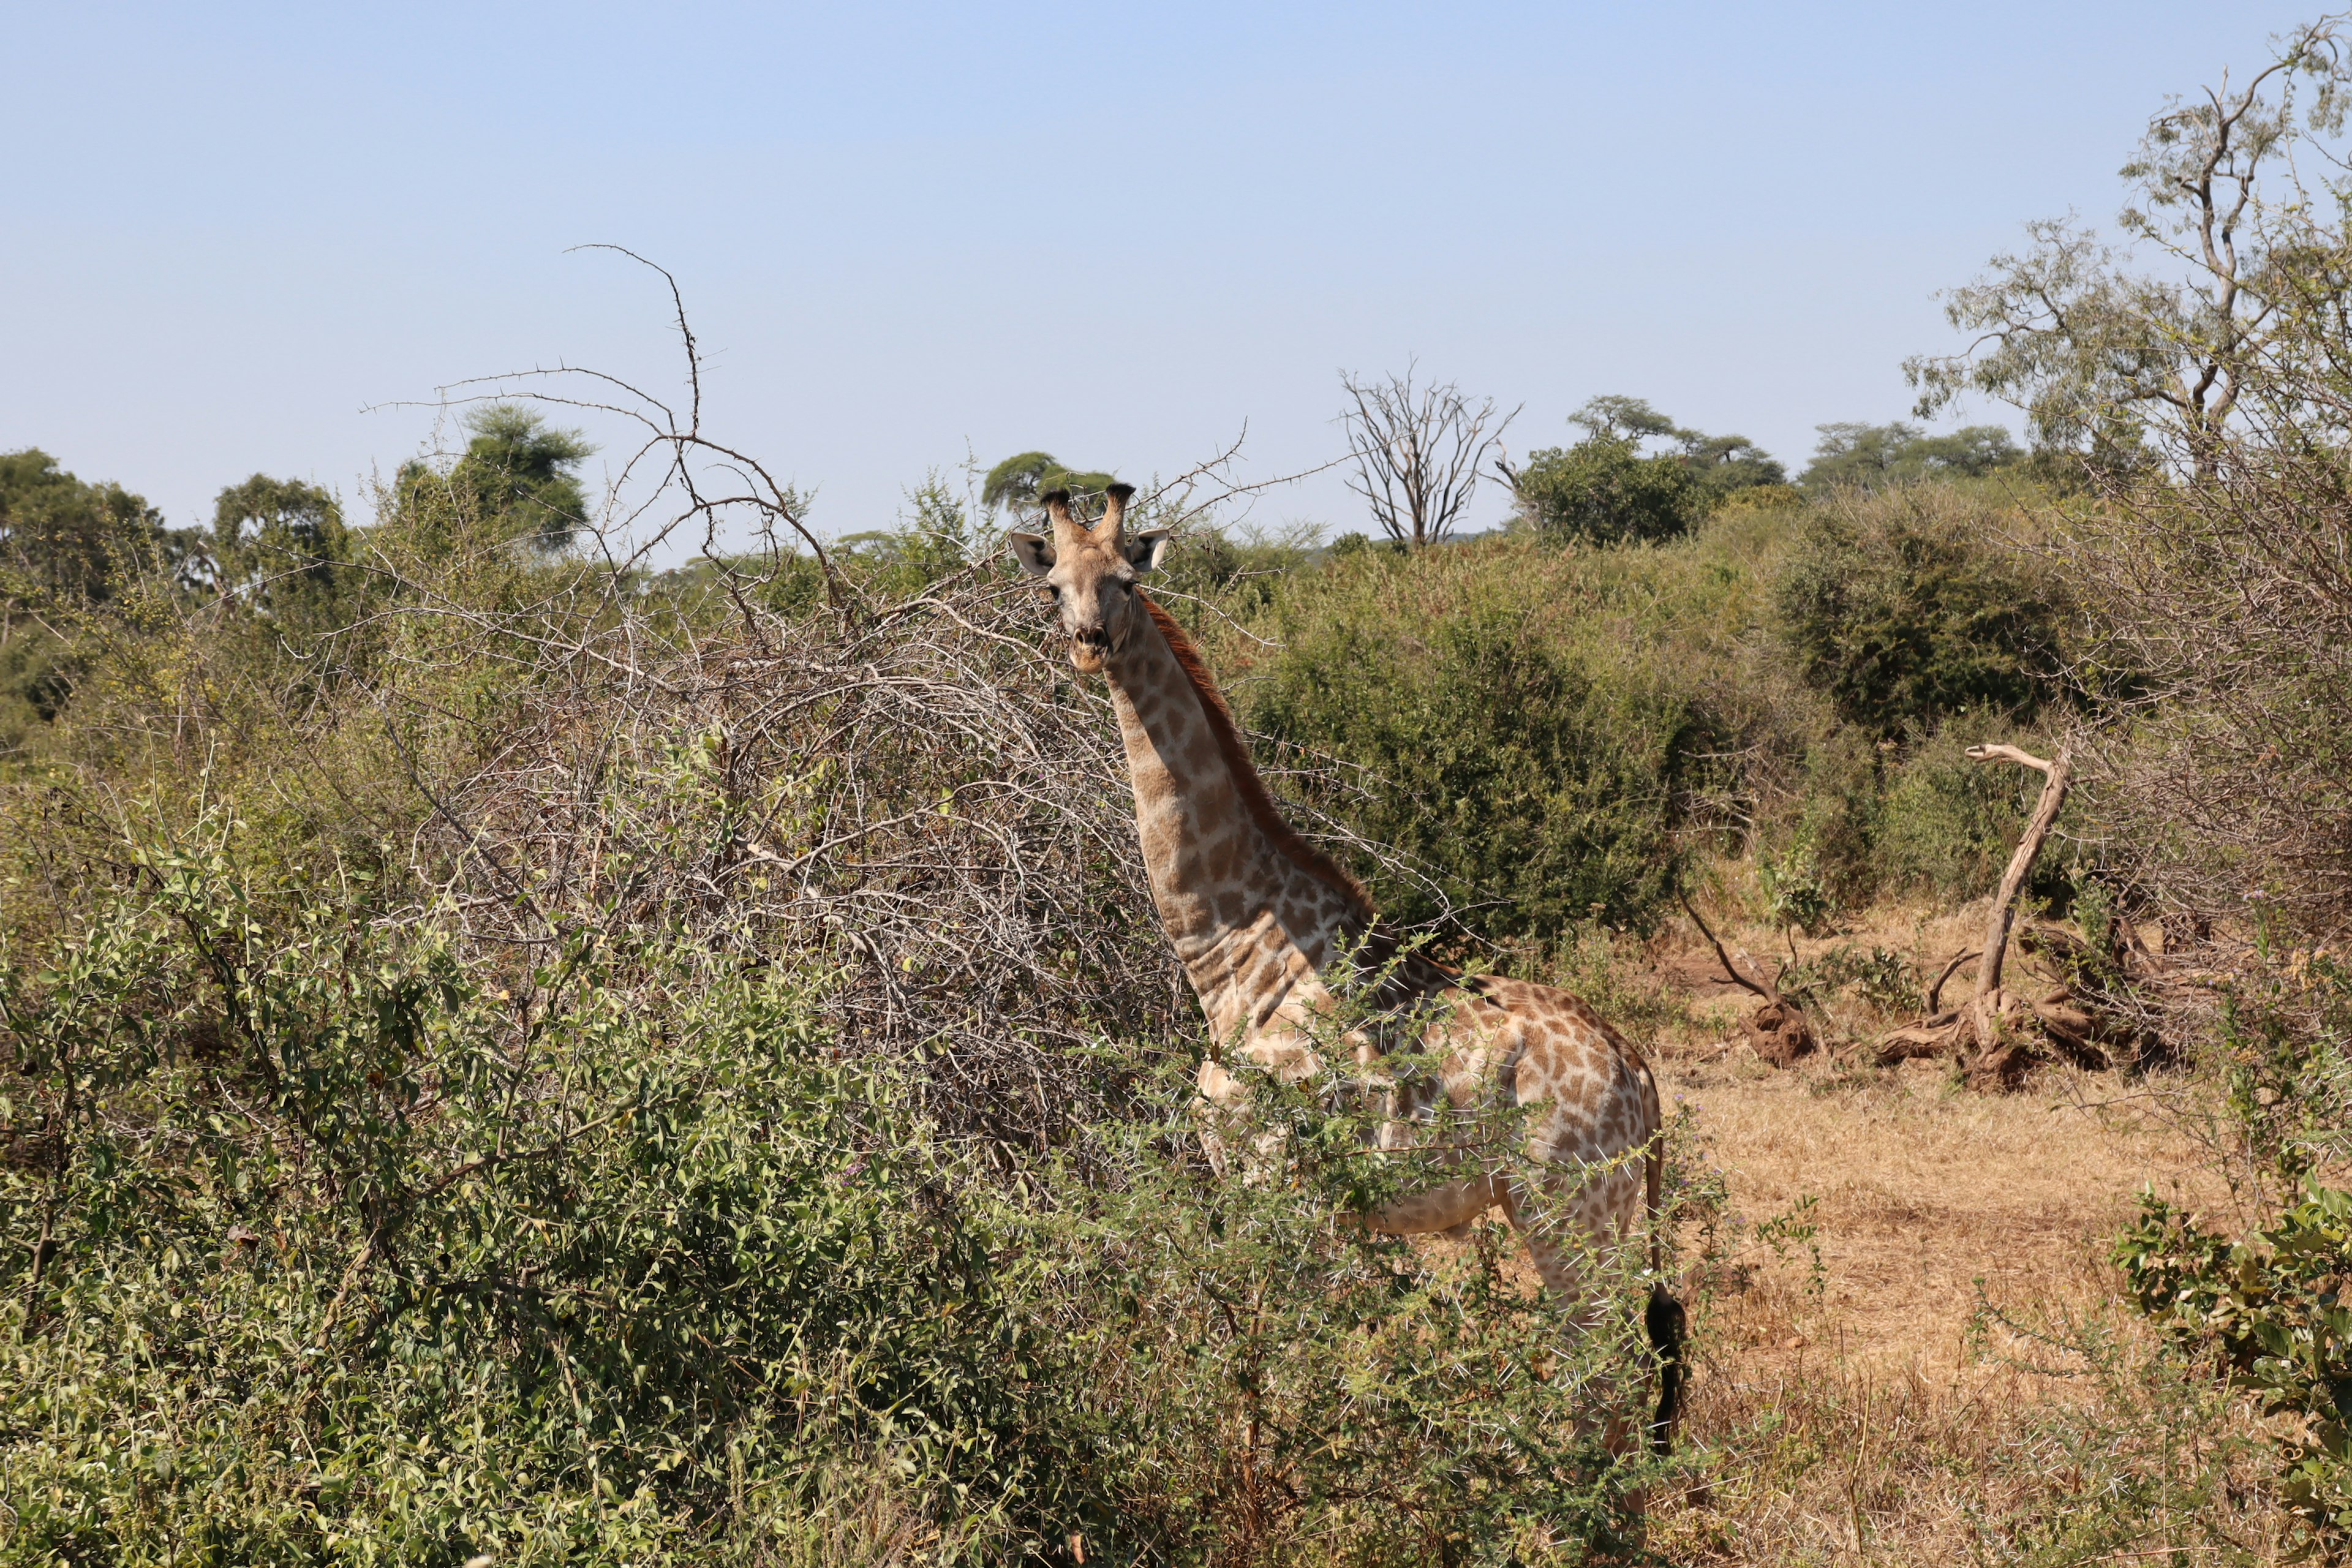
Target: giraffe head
1090,573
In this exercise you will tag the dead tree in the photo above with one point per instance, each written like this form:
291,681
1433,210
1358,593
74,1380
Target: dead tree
2058,777
1418,451
1779,1029
1998,1031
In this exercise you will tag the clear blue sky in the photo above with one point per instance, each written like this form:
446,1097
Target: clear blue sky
1113,232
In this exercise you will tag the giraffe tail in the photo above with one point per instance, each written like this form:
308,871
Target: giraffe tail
1664,1319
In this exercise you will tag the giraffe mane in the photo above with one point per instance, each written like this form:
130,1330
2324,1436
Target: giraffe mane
1259,802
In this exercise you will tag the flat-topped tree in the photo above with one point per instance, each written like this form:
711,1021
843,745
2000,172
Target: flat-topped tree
1021,479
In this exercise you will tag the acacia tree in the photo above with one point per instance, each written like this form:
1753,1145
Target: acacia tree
2245,259
1605,490
2200,373
1869,457
1722,464
1020,479
1418,451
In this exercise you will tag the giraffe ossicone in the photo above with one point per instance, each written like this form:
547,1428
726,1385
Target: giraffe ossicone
1270,930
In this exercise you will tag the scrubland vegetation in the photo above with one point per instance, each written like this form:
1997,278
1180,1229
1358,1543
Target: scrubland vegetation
518,1056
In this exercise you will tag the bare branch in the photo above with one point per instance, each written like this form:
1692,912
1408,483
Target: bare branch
1766,990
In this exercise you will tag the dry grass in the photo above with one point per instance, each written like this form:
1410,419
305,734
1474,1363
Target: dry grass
1909,1344
1921,1193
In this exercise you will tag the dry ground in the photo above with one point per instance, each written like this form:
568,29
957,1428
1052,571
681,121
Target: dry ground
1856,1401
1920,1194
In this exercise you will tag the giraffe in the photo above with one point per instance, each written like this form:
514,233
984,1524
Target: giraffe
1266,924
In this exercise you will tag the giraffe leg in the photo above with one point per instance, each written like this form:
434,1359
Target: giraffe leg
1572,1239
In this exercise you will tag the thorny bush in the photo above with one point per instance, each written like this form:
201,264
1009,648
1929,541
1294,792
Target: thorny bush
2271,1308
317,1244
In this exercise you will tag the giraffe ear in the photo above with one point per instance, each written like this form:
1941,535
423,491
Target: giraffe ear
1145,550
1034,555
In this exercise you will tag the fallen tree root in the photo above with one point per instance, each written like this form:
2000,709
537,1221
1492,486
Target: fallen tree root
1779,1030
1780,1034
2022,1030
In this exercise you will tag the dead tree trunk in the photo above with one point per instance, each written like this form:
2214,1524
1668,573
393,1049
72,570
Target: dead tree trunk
1977,1027
1984,1009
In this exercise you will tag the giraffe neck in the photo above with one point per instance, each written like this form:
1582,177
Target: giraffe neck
1251,915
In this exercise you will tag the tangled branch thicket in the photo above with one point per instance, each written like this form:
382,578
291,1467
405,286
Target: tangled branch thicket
913,801
890,779
2230,599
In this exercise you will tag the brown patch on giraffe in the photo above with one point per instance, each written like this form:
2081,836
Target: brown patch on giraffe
1255,797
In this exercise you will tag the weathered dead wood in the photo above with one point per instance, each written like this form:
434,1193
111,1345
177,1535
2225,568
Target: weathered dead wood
2058,775
1936,992
1779,1030
2003,1034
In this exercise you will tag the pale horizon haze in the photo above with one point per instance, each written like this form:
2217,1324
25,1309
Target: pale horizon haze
245,239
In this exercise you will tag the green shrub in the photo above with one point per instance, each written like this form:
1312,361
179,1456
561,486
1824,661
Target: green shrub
1795,892
1241,576
1872,820
934,538
322,1249
1603,491
1833,820
1905,609
1515,741
66,547
1948,826
2271,1307
324,1237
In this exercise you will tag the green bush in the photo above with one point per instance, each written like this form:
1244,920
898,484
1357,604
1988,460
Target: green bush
1872,820
1242,576
1603,491
1515,743
1947,825
2271,1307
323,1237
319,1251
1905,609
1830,823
